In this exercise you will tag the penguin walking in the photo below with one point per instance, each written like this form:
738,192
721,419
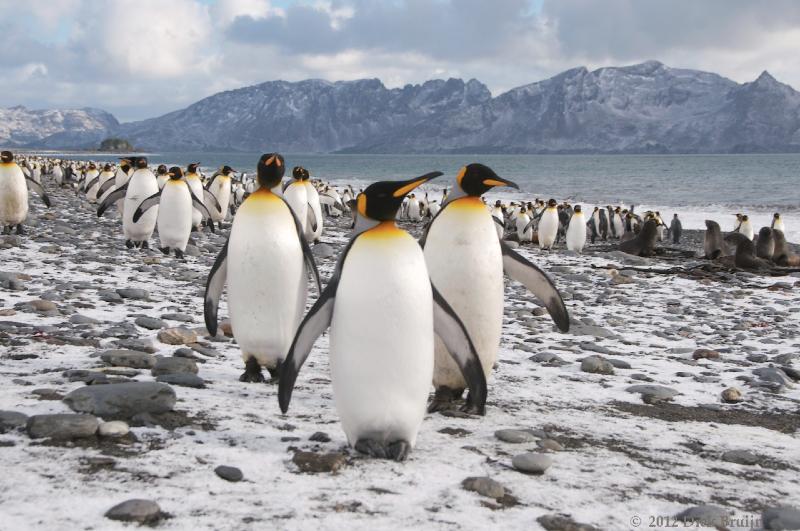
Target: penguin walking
120,180
141,185
414,208
594,224
675,229
466,260
524,226
220,187
746,228
296,195
14,194
57,174
195,183
603,225
619,223
777,223
499,219
90,183
162,176
265,263
548,226
383,313
576,231
174,222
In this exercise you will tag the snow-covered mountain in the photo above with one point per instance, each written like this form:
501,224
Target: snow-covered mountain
644,108
57,128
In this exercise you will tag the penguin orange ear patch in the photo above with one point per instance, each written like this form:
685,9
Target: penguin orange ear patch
270,160
460,175
362,204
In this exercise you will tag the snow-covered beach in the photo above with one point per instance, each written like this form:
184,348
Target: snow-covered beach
621,457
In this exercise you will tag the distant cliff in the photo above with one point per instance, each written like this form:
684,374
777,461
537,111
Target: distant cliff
57,128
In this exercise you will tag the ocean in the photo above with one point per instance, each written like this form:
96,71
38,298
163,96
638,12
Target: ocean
697,187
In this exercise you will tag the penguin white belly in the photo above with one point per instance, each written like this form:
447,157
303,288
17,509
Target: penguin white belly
465,264
197,189
619,227
548,228
779,226
313,204
747,230
120,180
91,193
522,234
266,279
162,180
414,211
141,186
576,233
297,198
381,338
58,175
13,195
175,215
221,189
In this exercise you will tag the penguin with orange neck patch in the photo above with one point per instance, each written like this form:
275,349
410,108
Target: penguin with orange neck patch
266,263
383,313
14,194
466,261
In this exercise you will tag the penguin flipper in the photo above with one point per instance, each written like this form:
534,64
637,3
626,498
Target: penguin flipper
451,330
210,198
91,183
308,256
530,225
39,190
199,205
146,205
520,269
111,198
105,186
214,285
311,218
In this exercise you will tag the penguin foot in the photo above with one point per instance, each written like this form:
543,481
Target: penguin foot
20,230
144,245
371,448
273,374
164,250
472,408
179,254
444,398
129,244
6,230
252,372
398,450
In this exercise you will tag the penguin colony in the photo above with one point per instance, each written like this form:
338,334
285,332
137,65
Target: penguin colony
402,314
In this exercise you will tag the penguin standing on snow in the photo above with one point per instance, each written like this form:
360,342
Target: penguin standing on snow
174,222
777,223
548,226
266,263
14,194
296,195
383,313
141,185
220,187
466,260
162,175
675,229
576,231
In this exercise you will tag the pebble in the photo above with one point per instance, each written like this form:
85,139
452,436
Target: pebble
79,319
560,522
315,463
173,365
704,353
122,399
732,395
653,393
128,358
551,445
532,463
597,365
484,486
177,336
548,358
61,426
140,511
320,436
11,420
133,293
756,357
182,380
740,457
782,517
515,436
150,323
322,250
114,428
182,317
229,473
705,516
42,305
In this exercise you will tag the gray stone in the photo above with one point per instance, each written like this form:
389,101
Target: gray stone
548,358
182,380
10,420
782,517
551,445
756,357
140,511
532,463
122,399
177,336
322,250
740,457
774,375
596,365
653,393
150,323
182,317
515,436
705,516
484,486
79,319
173,365
314,463
229,473
115,428
561,522
133,293
732,395
62,426
619,364
128,358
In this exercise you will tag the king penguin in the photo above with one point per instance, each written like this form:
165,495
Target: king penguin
220,187
176,202
383,313
296,195
548,226
466,260
576,231
141,185
265,263
14,193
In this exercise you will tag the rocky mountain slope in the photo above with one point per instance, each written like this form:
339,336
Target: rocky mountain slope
57,128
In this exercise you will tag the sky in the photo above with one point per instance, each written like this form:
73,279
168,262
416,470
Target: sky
142,58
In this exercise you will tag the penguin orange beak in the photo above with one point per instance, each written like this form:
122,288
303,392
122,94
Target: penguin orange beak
499,181
404,187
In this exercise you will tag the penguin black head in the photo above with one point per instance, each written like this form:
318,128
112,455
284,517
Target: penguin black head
175,173
745,218
162,169
141,163
776,215
107,167
381,200
192,168
576,209
92,166
476,179
227,170
498,203
6,157
300,173
270,169
551,203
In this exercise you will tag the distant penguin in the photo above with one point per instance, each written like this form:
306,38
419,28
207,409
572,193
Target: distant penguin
618,222
603,225
196,186
466,260
524,229
266,264
296,195
746,228
594,224
120,180
383,313
738,223
675,229
777,223
14,194
548,226
220,187
175,201
141,185
91,182
576,231
499,219
765,243
313,231
712,242
162,176
58,174
414,210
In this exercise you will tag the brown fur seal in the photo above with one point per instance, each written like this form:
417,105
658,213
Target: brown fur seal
745,256
712,243
644,243
765,244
